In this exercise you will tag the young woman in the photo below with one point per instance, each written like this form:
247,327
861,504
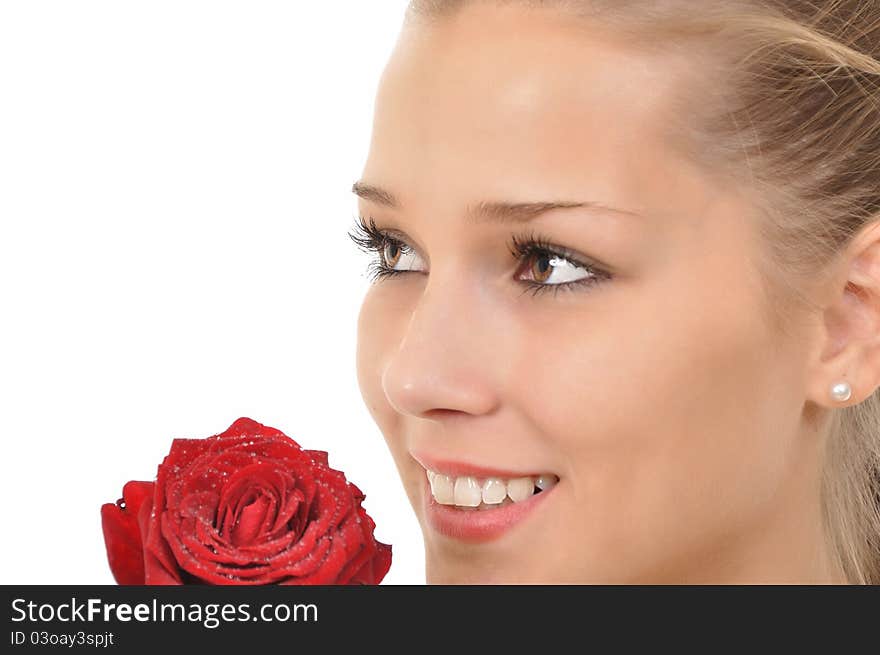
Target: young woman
625,320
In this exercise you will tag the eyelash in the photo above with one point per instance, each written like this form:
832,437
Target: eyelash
371,239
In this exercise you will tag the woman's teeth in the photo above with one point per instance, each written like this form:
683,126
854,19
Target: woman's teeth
468,492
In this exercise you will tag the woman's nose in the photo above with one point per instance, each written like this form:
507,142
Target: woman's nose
445,360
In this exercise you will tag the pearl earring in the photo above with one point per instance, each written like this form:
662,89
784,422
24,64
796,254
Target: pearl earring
841,391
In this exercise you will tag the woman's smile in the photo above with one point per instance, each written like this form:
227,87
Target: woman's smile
482,509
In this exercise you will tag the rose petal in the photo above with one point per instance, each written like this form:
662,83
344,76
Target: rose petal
319,456
356,493
160,567
122,535
373,563
251,521
248,427
327,572
360,533
375,568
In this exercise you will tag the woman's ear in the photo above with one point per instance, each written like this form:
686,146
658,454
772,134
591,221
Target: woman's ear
850,343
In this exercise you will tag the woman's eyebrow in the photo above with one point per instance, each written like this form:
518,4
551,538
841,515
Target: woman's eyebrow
491,211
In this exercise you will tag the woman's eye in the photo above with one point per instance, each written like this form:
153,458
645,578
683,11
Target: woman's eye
393,253
550,268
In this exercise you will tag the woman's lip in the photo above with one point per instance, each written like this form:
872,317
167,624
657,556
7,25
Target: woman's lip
457,469
475,525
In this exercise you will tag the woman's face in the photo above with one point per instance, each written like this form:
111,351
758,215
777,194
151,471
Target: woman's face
636,365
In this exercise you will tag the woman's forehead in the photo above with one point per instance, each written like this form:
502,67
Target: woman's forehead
523,63
480,98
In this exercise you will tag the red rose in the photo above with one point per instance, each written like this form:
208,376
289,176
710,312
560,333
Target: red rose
247,506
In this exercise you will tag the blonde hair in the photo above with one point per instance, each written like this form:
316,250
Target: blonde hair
786,99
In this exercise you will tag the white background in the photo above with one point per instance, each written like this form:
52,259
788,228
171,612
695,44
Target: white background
174,206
